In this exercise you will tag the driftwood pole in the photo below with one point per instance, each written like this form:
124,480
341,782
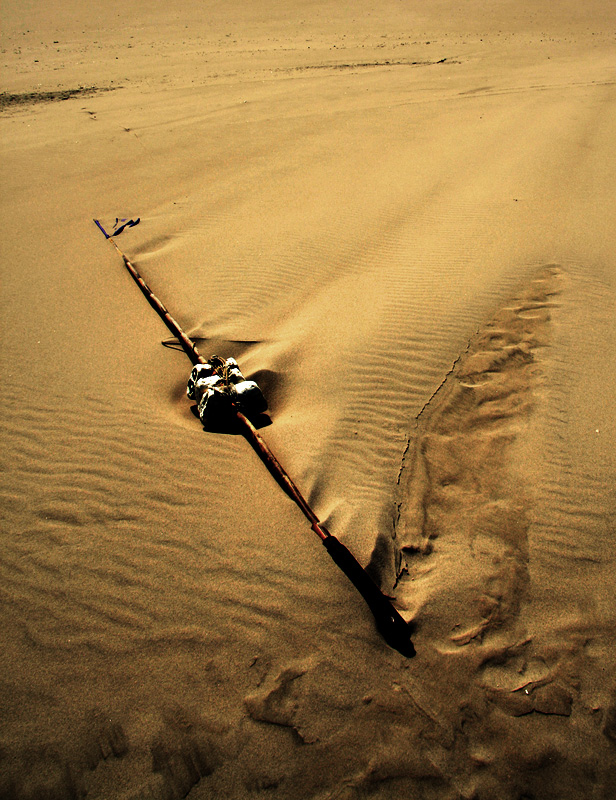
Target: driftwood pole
394,629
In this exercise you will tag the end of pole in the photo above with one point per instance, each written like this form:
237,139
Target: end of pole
389,622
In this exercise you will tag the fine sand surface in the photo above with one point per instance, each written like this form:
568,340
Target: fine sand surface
400,218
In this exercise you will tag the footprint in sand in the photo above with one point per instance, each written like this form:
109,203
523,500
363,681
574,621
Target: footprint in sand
462,526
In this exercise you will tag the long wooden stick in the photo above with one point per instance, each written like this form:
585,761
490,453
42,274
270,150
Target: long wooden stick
394,629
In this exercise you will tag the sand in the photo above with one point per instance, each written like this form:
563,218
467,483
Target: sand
399,218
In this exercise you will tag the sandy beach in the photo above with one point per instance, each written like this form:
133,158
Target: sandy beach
399,219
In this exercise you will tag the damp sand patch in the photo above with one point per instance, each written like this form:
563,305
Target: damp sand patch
9,100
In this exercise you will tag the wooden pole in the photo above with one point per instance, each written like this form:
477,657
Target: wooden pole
394,629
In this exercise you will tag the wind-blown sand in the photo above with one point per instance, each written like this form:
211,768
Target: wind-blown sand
399,218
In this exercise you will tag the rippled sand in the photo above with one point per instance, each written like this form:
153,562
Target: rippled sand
399,219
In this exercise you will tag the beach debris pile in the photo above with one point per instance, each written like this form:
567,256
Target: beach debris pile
218,385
